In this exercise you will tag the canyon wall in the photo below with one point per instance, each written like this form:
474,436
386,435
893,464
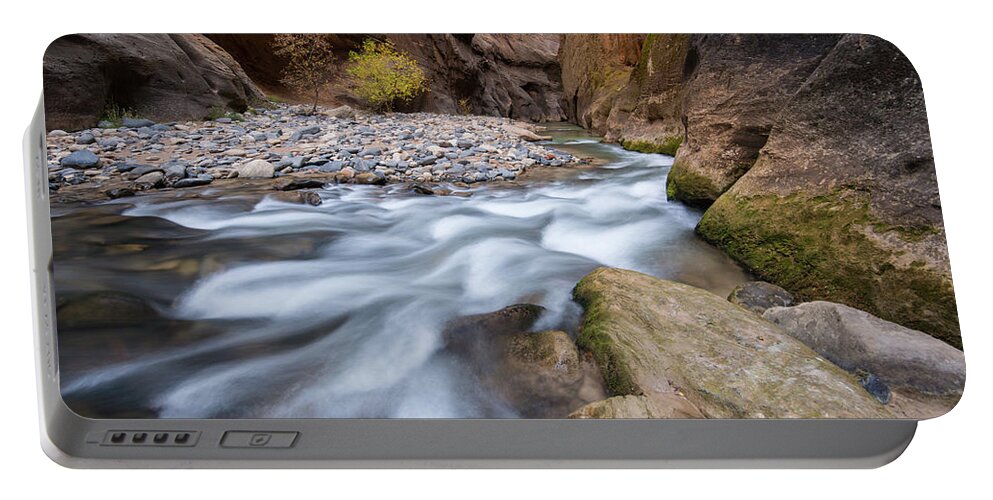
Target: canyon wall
515,76
812,153
157,76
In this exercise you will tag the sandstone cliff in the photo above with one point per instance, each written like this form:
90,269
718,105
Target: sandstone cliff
709,100
814,147
157,76
842,203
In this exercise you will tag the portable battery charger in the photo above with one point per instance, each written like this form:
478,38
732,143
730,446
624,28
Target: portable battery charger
486,250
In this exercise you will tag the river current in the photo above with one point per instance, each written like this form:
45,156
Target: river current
277,309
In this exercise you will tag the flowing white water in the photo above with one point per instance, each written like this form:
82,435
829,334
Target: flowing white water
390,270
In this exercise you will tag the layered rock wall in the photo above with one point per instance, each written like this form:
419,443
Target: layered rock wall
812,153
157,76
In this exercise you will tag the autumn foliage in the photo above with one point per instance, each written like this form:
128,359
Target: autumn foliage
384,76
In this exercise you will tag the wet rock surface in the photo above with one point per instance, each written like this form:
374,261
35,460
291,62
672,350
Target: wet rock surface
757,296
885,353
656,337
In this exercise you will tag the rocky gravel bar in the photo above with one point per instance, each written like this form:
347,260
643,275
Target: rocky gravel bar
300,150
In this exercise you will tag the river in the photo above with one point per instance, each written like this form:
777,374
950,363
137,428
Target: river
275,309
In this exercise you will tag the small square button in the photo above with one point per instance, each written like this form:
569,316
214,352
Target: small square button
258,439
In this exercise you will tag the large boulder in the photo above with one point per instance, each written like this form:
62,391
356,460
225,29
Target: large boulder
158,76
539,374
656,337
842,203
858,341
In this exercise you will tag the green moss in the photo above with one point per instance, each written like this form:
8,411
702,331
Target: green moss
815,247
691,188
910,234
660,53
594,339
666,146
216,112
116,114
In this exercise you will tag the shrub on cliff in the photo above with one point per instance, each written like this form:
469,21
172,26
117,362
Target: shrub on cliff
310,62
385,76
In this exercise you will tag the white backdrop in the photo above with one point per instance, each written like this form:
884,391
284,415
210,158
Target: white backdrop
947,41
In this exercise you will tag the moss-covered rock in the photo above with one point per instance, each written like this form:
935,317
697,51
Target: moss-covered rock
107,309
665,145
842,203
683,184
829,248
657,337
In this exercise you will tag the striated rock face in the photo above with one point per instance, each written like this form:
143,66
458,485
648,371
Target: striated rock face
515,76
842,203
712,98
157,76
596,69
656,337
734,89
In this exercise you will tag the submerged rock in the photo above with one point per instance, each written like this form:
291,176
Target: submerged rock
475,333
116,193
104,310
650,336
301,197
856,340
294,184
542,375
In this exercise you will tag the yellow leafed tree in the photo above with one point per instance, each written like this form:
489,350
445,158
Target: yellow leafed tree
385,77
